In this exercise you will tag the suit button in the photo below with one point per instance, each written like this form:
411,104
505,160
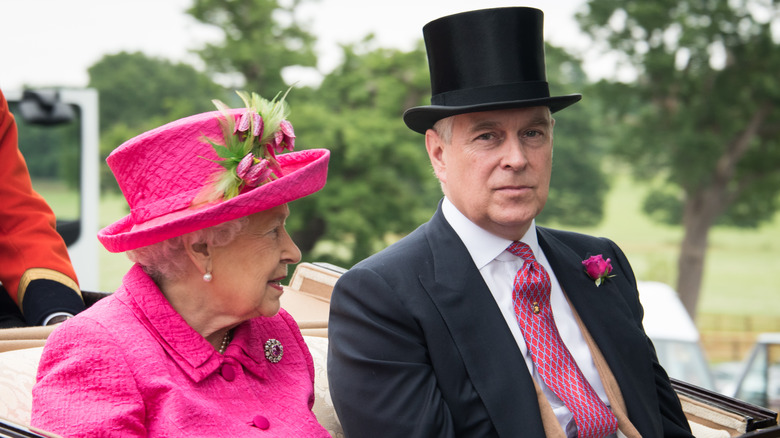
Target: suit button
228,372
261,422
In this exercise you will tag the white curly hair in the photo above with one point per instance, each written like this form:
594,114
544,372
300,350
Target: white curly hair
168,259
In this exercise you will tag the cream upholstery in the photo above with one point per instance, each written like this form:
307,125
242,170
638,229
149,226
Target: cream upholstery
711,422
323,406
27,337
701,431
17,376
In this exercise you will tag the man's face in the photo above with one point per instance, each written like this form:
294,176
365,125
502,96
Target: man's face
496,167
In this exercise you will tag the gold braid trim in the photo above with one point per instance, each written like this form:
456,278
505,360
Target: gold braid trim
43,274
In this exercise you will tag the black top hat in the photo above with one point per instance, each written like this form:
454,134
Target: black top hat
485,60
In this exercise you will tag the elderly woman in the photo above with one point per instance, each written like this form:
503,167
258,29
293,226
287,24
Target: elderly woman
194,342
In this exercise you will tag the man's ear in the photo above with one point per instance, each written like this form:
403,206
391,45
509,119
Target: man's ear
200,255
435,147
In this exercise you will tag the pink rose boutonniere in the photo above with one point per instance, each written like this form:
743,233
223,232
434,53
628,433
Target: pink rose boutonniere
597,268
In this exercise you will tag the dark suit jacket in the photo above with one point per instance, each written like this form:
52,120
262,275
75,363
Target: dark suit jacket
418,346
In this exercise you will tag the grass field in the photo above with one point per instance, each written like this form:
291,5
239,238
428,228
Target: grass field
740,271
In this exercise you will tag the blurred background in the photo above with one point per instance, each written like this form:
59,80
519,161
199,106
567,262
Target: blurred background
674,151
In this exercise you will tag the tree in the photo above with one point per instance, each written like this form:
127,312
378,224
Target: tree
701,119
134,88
261,39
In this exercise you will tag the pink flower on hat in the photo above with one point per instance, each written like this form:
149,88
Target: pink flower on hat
250,119
257,174
252,170
289,134
276,142
257,125
283,139
597,268
243,123
244,165
248,152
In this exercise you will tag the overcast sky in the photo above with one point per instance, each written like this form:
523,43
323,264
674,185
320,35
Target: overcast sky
53,42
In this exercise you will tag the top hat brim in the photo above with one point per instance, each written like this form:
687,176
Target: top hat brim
422,118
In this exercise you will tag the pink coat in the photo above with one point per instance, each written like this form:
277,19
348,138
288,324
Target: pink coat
131,366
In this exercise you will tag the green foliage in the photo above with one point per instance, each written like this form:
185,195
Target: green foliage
134,88
664,204
578,186
707,81
51,152
262,37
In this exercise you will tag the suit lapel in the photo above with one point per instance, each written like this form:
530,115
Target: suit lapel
477,327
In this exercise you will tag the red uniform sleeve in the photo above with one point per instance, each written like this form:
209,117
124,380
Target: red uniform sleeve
30,247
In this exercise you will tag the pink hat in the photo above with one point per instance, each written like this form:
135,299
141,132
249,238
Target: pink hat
208,169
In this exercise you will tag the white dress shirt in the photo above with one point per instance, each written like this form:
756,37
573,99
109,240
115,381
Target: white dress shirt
498,268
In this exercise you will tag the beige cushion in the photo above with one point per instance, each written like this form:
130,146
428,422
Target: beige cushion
323,406
17,376
24,337
701,431
711,421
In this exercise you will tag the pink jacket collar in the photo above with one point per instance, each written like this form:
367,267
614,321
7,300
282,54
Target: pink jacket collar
186,347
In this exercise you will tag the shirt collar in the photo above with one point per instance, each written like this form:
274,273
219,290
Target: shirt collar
483,246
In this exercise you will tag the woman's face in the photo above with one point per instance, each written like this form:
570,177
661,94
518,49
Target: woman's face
247,273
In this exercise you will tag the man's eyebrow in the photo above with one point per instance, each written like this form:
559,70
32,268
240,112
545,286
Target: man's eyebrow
482,125
541,120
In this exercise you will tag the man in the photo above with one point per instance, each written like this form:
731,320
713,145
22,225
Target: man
37,281
450,332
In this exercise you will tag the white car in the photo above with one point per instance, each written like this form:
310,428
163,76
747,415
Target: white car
759,380
674,335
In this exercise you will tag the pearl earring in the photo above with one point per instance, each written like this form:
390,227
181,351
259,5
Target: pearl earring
207,277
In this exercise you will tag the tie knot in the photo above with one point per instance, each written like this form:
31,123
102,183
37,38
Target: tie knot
522,250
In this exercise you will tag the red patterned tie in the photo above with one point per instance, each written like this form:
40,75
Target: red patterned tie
556,366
